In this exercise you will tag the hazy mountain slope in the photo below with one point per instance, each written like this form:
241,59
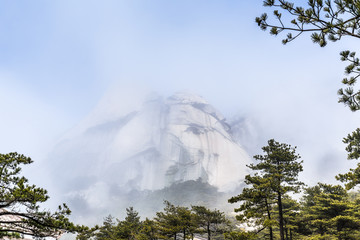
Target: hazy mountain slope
163,142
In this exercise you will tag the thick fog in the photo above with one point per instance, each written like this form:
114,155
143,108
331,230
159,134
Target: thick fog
66,66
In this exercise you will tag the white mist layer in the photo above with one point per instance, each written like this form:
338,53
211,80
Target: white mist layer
165,141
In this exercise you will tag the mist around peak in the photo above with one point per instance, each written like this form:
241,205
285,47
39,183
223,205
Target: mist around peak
140,153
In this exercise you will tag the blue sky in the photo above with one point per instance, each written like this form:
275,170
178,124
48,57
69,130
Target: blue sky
58,59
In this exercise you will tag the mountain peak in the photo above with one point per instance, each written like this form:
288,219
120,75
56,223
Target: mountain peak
160,144
185,97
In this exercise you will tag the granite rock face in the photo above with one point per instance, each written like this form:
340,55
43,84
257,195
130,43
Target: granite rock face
165,141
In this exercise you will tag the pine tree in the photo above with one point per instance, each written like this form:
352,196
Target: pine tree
291,209
208,220
130,227
256,203
328,20
276,175
329,214
352,178
20,211
105,232
148,231
174,220
238,235
281,168
325,20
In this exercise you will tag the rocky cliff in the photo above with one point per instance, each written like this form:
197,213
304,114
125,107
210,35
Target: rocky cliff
163,142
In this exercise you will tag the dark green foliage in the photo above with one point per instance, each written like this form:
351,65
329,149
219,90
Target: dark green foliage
210,221
325,20
130,227
348,95
19,203
256,203
88,233
107,231
291,214
194,192
353,147
352,178
149,230
327,211
240,235
280,167
175,220
276,175
171,223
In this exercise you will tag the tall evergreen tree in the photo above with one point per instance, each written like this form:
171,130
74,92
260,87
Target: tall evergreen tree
291,214
325,20
105,232
280,166
20,211
256,203
276,175
209,220
174,220
130,227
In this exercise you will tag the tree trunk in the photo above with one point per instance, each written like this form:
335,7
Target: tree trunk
281,218
208,230
269,217
184,232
